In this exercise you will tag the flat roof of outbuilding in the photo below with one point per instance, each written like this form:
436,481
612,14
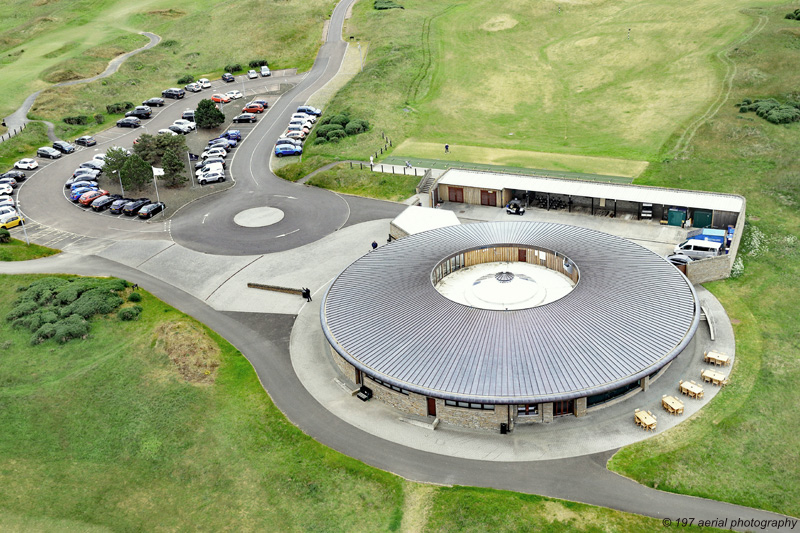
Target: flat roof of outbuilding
593,189
630,313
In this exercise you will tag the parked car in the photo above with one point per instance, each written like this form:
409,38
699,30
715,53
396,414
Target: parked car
214,152
212,176
86,140
6,210
302,116
188,115
179,129
9,181
253,108
302,123
140,111
228,77
99,157
174,92
220,141
167,131
679,259
6,190
7,201
289,140
87,198
63,147
288,149
104,202
234,95
133,207
211,164
46,151
265,71
252,74
299,135
220,98
234,135
150,210
16,174
245,117
11,220
296,127
117,205
76,194
89,173
94,164
204,83
154,102
26,164
261,102
187,123
82,184
129,122
209,161
308,110
193,87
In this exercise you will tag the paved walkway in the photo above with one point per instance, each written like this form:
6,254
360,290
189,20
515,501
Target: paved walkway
17,121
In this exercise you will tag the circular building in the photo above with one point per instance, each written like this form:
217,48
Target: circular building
485,324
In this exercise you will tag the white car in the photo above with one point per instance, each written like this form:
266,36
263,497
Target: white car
26,164
289,140
166,131
99,157
211,176
216,166
214,152
302,116
204,83
299,135
188,123
234,95
6,190
7,210
7,201
252,74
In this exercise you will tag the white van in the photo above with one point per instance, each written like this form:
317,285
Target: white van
265,71
211,167
697,249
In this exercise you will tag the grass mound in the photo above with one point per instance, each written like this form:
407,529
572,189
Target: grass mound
195,356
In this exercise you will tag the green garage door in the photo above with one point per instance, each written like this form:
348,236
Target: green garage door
676,217
702,218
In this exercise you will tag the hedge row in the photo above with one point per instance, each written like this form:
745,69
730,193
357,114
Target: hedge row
772,110
336,127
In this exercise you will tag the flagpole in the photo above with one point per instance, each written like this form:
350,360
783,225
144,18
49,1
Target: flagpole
191,167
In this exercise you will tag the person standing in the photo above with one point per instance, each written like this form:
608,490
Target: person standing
447,148
307,294
370,162
374,244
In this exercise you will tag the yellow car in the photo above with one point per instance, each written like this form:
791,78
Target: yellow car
10,220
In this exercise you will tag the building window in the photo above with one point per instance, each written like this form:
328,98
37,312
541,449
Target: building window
469,405
528,409
389,386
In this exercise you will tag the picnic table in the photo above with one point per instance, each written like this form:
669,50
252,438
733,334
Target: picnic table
646,419
691,389
672,405
717,358
717,378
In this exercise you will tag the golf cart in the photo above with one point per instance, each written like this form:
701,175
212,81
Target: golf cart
515,207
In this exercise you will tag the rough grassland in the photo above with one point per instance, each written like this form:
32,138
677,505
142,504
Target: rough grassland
17,250
743,447
471,73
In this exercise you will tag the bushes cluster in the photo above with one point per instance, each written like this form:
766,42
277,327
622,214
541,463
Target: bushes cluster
794,15
233,67
256,63
79,120
336,127
5,236
772,110
186,79
58,308
99,118
119,107
386,4
129,313
135,297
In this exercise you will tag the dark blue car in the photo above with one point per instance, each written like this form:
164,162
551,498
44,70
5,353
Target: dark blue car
234,135
77,193
287,149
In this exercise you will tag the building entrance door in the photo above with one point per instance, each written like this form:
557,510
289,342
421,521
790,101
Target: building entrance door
489,198
523,255
563,408
431,407
456,194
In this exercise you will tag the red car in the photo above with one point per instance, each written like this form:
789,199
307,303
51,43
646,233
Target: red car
91,196
220,98
253,108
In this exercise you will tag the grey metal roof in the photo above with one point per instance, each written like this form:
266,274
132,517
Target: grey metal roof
593,189
629,315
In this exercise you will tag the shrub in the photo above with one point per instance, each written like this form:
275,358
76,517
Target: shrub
22,309
258,63
72,327
119,107
5,235
386,4
335,135
169,43
135,297
46,331
353,127
324,131
79,120
129,313
186,79
341,119
92,302
99,118
233,67
319,140
324,120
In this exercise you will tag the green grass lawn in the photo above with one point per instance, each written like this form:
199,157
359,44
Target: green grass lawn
743,446
385,186
44,42
17,250
23,145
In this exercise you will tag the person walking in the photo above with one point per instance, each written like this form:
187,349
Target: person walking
370,161
307,294
374,244
447,148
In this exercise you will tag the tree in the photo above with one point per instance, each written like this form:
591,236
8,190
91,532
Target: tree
136,173
152,148
207,115
174,169
115,159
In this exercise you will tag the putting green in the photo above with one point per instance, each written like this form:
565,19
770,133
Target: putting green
606,166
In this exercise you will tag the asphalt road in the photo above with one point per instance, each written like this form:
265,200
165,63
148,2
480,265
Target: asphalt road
263,339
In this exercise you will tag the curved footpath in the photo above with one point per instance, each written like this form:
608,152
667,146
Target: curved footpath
19,118
584,479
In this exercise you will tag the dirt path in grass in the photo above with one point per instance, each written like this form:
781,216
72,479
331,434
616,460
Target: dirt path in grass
18,119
